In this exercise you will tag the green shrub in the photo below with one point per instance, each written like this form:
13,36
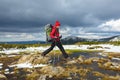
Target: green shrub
22,46
96,43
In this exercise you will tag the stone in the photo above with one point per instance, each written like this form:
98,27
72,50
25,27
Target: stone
3,77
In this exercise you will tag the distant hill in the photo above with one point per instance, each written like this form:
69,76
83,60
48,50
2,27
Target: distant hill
24,42
74,39
113,38
117,38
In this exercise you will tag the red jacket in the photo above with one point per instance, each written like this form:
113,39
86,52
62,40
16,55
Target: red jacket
55,33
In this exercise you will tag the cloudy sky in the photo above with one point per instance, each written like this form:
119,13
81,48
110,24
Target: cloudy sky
22,20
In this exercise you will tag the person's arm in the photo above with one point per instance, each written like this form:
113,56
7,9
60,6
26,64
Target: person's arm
52,33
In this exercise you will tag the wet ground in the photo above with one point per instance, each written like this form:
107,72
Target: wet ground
94,64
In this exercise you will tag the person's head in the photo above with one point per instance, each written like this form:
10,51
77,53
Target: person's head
57,24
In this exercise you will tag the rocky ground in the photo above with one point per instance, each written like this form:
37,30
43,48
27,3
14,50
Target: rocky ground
82,65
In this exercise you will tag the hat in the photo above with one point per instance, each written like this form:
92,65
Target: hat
57,23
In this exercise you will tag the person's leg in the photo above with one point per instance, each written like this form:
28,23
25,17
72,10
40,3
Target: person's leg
59,45
49,49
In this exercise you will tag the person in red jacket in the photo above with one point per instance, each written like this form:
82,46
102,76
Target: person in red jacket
55,40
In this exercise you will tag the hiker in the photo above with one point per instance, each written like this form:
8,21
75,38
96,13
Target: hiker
55,39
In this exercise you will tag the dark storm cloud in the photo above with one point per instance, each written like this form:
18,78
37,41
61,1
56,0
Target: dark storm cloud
30,15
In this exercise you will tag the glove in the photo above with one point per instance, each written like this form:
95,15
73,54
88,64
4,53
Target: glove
54,39
60,36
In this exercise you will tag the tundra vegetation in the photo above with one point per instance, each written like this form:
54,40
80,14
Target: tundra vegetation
83,65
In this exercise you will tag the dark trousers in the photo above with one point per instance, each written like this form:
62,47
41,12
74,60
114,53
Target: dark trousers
59,45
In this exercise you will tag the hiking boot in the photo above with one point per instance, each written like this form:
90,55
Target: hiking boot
66,56
43,54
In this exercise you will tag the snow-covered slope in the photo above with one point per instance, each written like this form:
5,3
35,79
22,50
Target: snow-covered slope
74,39
117,38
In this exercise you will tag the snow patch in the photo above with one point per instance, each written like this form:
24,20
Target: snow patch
116,59
27,65
105,47
1,64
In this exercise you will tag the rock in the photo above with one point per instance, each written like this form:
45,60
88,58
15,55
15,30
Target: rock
110,57
102,60
88,61
100,65
33,59
72,62
95,73
95,59
106,47
108,64
115,66
112,77
3,77
69,78
53,71
42,77
81,59
24,58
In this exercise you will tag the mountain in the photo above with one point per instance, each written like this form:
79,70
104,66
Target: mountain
74,39
117,38
113,38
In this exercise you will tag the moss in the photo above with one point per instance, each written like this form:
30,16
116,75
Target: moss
105,76
87,51
33,76
3,77
109,66
94,47
8,60
2,54
98,74
8,46
111,78
112,54
88,61
96,43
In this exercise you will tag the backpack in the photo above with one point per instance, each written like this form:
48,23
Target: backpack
48,29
